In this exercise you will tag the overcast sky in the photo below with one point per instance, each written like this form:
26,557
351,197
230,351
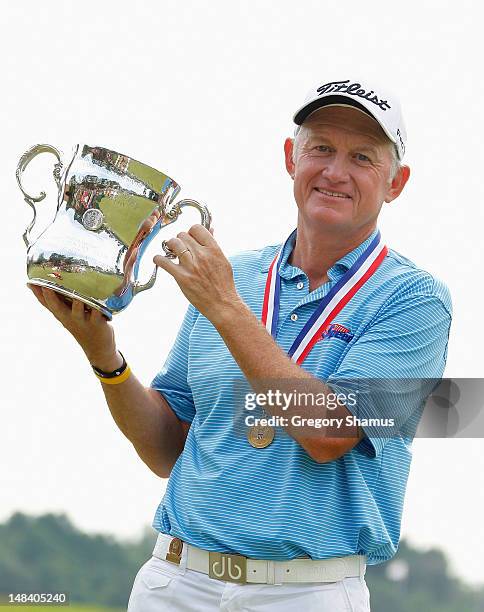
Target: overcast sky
206,92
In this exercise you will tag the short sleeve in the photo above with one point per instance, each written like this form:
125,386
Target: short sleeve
393,367
171,380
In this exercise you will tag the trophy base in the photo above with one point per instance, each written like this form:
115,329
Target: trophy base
71,294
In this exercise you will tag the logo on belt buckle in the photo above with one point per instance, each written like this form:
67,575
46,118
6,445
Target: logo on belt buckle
175,551
232,568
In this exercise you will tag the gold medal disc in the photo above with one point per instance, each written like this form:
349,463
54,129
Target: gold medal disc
260,436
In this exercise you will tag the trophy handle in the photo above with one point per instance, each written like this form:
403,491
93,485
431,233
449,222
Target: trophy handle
173,215
176,211
24,161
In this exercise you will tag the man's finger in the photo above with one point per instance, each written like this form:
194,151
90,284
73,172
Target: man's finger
184,247
97,317
202,235
78,312
58,308
37,291
188,241
176,245
166,264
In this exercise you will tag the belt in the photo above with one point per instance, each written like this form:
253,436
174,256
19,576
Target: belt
240,569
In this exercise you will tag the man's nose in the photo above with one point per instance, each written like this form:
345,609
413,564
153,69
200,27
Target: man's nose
336,169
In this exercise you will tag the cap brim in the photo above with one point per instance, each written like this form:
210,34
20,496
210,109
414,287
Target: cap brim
308,109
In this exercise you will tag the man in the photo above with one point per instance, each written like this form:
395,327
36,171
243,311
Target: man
285,514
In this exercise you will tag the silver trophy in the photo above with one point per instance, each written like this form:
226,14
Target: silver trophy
109,208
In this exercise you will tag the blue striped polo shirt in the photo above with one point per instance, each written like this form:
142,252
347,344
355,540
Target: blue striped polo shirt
277,502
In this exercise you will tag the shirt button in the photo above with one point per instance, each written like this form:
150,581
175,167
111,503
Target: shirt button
300,285
294,317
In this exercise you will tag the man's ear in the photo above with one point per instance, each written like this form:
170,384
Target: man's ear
288,150
398,183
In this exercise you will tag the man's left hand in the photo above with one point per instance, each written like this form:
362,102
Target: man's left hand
203,273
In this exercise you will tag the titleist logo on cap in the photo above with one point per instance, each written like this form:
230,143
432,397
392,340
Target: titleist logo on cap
353,89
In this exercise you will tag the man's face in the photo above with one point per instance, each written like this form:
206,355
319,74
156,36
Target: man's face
342,170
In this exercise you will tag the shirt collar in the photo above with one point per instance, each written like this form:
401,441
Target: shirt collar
289,271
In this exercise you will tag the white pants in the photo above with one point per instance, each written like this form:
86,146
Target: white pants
162,586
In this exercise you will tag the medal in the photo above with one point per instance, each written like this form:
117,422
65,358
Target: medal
260,436
329,307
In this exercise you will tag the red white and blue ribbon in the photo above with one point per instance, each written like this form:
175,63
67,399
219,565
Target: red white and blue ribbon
332,303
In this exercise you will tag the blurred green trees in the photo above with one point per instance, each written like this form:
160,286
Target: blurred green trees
47,554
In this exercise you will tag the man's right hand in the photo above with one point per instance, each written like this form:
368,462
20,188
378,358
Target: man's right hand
88,326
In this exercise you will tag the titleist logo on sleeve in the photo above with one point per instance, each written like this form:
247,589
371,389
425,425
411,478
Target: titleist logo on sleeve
354,89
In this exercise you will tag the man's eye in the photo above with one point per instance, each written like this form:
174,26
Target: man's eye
363,158
323,148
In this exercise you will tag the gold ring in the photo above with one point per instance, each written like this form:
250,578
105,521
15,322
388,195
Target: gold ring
184,251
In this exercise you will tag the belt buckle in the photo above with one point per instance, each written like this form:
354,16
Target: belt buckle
224,566
175,551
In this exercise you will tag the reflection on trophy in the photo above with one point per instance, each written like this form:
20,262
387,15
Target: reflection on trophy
110,207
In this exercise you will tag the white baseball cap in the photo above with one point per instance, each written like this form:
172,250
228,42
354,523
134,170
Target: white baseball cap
380,104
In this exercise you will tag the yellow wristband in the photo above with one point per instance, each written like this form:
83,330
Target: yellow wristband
117,380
